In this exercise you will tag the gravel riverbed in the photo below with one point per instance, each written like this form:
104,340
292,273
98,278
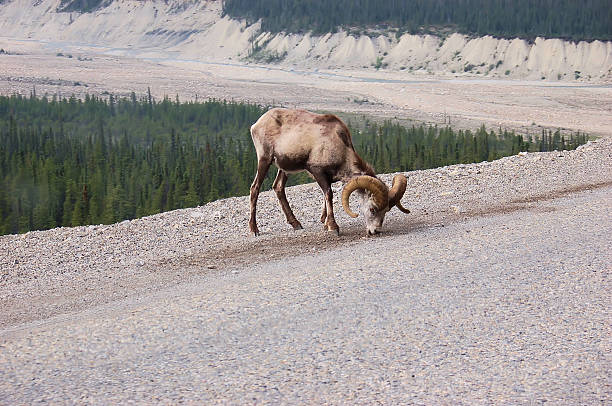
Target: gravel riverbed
46,273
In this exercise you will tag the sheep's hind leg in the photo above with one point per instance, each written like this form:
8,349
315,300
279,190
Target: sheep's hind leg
262,169
279,188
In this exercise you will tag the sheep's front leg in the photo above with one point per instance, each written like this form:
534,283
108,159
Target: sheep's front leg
324,211
325,183
279,188
262,169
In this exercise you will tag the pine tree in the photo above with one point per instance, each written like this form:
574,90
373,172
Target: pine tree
71,162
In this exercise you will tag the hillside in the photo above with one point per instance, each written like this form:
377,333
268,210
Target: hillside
197,31
569,19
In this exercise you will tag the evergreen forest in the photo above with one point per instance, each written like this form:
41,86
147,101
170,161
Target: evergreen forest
70,162
527,19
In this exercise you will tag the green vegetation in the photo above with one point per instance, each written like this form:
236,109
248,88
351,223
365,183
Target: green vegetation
72,162
83,6
570,19
379,62
391,147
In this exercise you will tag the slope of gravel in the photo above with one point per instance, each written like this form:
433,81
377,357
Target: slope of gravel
45,273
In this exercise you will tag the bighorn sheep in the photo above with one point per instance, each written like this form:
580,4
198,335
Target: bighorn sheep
298,140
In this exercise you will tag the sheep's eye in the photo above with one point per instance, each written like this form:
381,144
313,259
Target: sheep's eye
373,210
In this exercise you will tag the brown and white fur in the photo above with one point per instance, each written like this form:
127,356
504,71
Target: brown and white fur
298,140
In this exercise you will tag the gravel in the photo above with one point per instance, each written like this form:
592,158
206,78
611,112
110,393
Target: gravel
507,308
44,273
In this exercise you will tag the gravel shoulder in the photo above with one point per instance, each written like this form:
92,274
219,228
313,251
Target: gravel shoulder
47,273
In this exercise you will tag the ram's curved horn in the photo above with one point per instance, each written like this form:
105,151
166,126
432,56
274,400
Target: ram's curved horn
379,191
398,188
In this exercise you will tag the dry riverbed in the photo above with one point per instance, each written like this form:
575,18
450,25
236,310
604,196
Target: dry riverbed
461,100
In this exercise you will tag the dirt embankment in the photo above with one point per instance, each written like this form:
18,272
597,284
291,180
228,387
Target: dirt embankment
45,273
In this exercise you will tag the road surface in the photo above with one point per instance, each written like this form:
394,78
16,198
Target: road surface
506,308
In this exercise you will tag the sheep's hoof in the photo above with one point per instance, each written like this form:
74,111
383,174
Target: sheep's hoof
297,226
333,228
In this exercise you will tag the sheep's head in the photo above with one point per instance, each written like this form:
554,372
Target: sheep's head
376,199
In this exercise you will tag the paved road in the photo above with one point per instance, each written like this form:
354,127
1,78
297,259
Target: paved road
508,309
